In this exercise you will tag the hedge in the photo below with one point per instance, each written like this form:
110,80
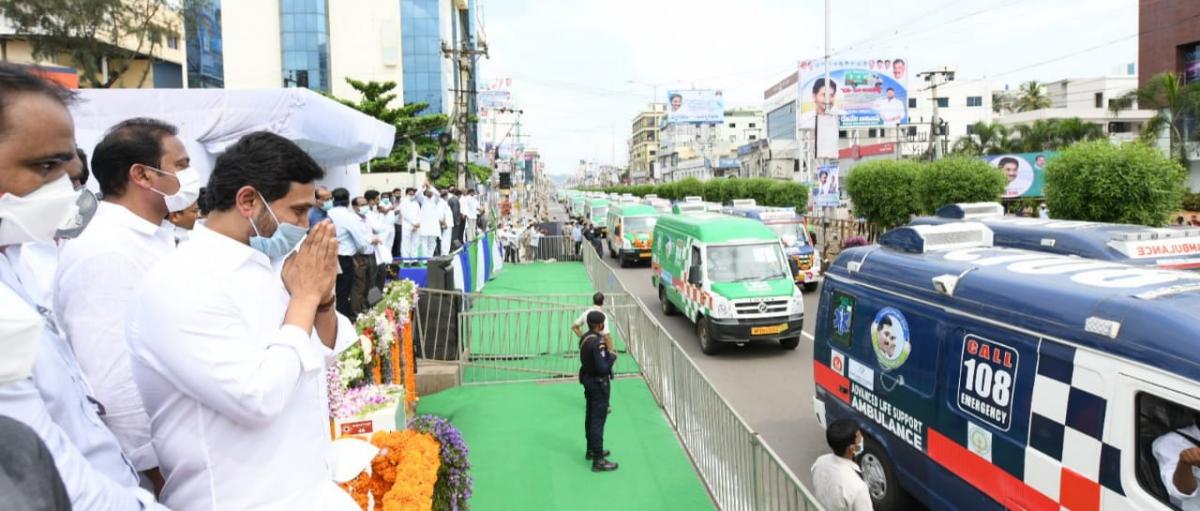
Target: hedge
766,192
1102,182
886,192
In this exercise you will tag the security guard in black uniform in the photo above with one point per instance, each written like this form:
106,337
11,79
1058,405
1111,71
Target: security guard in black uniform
595,373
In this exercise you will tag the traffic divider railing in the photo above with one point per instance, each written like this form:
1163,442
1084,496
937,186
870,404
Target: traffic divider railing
741,472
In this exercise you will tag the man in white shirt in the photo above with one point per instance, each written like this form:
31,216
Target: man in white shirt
445,239
142,168
364,261
837,479
431,220
410,222
1178,456
380,221
470,212
579,327
230,336
353,238
891,110
184,221
40,382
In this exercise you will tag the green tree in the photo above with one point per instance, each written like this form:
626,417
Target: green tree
786,194
1031,96
1002,102
1175,102
1040,135
1072,130
959,179
1101,182
985,138
376,102
97,35
886,192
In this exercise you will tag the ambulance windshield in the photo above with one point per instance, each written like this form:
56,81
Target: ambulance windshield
745,263
640,224
791,234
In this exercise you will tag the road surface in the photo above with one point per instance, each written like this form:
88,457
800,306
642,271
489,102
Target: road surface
770,387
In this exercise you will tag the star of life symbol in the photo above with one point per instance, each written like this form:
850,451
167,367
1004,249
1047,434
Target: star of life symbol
841,320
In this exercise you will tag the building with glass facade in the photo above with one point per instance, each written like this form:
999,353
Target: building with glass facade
424,81
304,41
205,57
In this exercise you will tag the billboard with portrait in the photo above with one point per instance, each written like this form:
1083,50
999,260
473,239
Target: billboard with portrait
866,92
826,191
695,106
1025,172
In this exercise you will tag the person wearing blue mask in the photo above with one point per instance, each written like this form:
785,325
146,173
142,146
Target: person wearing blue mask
324,204
229,338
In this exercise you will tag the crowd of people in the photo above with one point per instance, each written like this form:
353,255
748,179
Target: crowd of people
166,344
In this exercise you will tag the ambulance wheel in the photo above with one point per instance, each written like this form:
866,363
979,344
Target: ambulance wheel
707,344
880,476
668,308
790,343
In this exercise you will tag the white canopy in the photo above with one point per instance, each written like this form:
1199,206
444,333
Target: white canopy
210,120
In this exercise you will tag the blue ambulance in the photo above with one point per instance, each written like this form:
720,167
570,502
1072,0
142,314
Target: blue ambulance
989,377
802,258
1171,248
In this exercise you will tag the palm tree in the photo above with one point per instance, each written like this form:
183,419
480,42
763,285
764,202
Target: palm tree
1031,96
1001,102
1070,131
1039,136
1175,102
985,138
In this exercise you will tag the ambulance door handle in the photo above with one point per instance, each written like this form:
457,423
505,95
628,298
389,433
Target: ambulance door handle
843,389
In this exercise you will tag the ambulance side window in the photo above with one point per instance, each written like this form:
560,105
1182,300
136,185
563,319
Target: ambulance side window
1164,430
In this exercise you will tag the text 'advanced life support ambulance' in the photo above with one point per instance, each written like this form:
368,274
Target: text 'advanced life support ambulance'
728,276
789,226
991,378
632,228
1169,248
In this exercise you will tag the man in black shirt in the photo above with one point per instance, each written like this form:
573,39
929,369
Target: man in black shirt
595,373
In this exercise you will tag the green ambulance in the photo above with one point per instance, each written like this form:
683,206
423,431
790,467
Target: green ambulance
577,203
729,277
632,227
597,212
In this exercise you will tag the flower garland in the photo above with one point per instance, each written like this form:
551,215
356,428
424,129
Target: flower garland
378,330
403,474
453,489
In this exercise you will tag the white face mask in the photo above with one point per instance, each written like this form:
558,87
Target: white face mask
54,209
189,189
20,332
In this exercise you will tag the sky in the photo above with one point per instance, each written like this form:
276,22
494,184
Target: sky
582,69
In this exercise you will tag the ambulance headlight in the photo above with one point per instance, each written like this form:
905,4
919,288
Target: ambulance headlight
796,306
724,309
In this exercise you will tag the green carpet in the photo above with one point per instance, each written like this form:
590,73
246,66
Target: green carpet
526,449
528,336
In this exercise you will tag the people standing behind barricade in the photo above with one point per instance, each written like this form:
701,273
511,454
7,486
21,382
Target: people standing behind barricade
397,198
431,219
446,238
597,306
595,373
469,206
230,336
380,221
576,236
837,479
410,222
510,243
184,221
41,384
142,168
455,224
364,261
353,239
535,242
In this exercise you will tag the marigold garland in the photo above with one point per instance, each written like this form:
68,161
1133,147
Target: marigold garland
402,475
410,373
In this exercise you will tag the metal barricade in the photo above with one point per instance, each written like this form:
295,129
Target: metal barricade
507,338
741,472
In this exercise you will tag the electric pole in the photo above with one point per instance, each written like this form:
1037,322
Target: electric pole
936,126
464,52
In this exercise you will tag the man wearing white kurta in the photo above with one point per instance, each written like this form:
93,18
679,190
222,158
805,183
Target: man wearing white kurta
230,336
470,213
142,168
445,240
410,220
430,219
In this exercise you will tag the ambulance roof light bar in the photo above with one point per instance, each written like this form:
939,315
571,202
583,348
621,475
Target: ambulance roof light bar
744,203
1155,234
693,198
971,210
920,239
650,196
